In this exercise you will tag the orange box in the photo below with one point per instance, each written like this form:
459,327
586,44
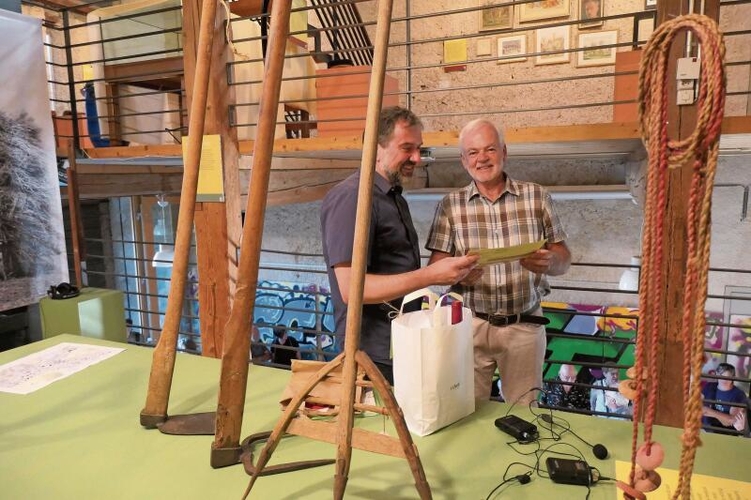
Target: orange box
626,86
348,86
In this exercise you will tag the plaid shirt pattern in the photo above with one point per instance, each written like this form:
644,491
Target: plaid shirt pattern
465,220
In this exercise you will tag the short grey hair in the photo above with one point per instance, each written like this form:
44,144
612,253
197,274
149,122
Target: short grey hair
479,123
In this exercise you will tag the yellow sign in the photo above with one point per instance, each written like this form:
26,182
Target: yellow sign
702,487
88,72
454,51
210,175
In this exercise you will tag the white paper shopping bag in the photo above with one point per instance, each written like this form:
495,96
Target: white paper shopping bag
433,365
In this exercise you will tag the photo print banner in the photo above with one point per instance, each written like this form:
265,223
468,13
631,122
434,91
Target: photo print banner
32,240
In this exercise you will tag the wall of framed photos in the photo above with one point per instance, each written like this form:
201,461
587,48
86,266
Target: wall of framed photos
535,63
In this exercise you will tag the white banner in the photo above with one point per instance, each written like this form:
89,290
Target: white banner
32,241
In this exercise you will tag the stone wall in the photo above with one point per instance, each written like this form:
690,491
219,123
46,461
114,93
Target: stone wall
600,231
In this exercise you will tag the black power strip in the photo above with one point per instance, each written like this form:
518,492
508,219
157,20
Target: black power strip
523,431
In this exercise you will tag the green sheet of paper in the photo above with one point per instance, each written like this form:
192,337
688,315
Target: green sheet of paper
490,256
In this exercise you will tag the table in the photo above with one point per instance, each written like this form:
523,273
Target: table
80,438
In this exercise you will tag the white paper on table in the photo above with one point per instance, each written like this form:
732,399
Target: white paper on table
32,372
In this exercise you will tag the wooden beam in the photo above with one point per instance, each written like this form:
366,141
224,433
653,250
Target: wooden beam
218,224
311,164
303,194
681,122
163,73
111,186
322,148
74,209
104,169
79,6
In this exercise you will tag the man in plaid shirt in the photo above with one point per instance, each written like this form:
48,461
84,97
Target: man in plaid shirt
496,211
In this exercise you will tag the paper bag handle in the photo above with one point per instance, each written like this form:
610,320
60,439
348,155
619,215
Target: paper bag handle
423,292
438,318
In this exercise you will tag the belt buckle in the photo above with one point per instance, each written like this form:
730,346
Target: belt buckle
498,320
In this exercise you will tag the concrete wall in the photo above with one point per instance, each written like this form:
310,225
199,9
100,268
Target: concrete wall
600,231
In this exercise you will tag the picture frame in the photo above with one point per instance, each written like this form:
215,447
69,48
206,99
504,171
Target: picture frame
650,4
484,47
552,44
546,9
644,25
596,49
500,17
591,13
510,46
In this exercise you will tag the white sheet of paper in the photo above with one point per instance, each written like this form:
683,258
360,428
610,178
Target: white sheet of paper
32,372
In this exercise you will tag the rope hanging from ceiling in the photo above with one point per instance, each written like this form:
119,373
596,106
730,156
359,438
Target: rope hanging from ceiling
699,151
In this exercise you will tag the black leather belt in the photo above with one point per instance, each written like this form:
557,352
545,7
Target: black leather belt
499,320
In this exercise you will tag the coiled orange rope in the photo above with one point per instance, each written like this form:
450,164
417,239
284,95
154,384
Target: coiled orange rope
701,149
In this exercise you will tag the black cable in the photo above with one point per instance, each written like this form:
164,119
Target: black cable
522,478
599,450
522,395
539,452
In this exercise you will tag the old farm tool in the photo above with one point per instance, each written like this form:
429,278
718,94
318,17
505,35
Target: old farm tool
226,448
225,451
154,413
247,458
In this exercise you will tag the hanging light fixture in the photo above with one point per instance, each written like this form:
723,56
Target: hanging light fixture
630,277
165,253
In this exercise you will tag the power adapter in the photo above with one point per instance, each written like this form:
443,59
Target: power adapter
567,471
520,429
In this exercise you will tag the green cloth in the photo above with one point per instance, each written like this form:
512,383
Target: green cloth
80,438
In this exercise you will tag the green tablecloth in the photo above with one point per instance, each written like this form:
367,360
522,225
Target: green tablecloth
80,438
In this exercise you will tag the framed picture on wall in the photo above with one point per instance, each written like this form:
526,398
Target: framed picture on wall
597,49
650,4
484,47
495,18
547,9
590,13
509,46
644,25
552,45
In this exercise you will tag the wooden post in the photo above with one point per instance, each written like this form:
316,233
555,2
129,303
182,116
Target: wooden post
360,250
74,210
217,224
681,122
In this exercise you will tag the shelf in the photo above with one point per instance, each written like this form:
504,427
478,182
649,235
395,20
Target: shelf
602,139
149,169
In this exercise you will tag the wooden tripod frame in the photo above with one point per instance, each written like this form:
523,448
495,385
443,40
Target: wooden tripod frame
345,435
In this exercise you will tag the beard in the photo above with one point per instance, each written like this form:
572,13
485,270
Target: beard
395,176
